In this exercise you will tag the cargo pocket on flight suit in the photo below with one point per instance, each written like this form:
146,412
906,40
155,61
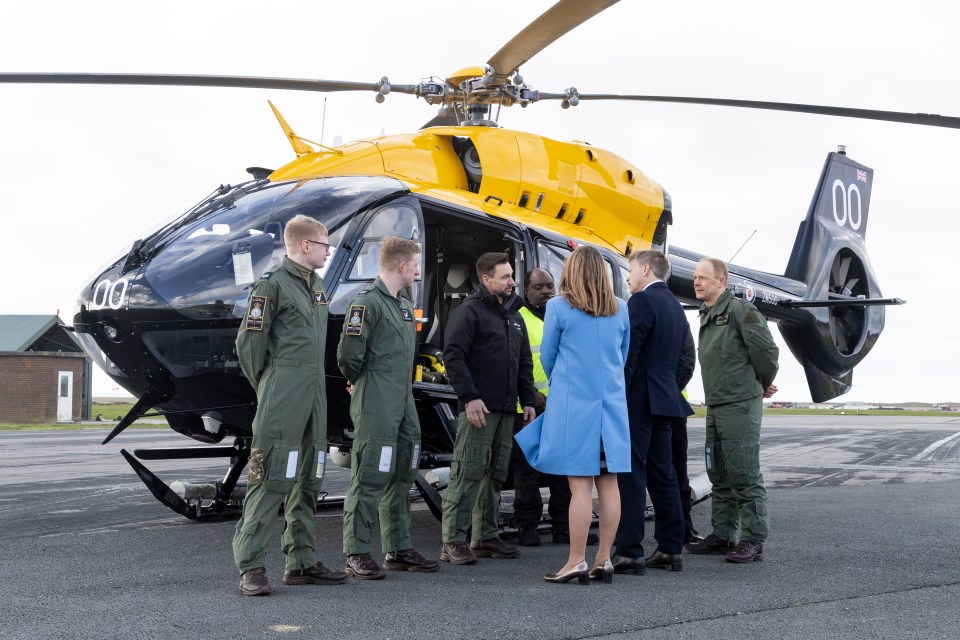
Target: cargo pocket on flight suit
408,461
281,469
374,464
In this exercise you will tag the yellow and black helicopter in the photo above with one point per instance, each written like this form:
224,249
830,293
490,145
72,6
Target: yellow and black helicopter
162,320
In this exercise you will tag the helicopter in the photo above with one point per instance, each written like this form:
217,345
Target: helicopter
163,317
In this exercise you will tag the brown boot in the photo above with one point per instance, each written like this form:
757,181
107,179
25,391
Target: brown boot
494,548
409,560
457,553
254,582
317,574
711,544
746,551
363,567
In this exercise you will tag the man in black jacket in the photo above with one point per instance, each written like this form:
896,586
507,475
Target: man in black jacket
488,361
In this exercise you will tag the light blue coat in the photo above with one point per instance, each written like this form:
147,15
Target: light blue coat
583,357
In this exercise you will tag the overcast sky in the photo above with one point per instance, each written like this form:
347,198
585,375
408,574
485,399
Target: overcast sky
86,170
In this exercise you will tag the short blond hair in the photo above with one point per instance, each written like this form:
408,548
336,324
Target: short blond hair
301,227
395,250
585,285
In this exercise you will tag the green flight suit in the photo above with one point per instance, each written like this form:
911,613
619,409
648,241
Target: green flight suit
738,361
281,346
377,353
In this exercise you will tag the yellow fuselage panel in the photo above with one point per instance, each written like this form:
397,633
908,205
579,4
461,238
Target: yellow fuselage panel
568,188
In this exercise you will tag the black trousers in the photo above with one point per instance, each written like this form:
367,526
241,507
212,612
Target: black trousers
679,445
652,469
527,503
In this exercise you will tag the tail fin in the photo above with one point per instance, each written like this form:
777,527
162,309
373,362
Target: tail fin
830,256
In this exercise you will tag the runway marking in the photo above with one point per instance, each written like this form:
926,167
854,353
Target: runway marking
927,453
861,467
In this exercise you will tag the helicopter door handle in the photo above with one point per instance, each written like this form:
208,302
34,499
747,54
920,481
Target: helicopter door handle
489,198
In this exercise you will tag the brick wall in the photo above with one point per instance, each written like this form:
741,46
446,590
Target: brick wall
28,385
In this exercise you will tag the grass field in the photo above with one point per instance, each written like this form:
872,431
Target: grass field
112,412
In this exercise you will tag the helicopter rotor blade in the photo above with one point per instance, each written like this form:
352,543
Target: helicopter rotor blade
245,82
536,36
928,119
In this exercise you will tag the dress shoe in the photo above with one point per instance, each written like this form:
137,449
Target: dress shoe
661,560
317,574
579,572
692,536
563,537
254,582
746,551
711,544
363,567
409,560
528,538
623,564
494,548
603,572
457,553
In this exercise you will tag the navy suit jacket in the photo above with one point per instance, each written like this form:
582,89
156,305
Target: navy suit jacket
654,369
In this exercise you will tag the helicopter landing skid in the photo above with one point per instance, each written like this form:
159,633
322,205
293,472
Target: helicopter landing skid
224,505
226,497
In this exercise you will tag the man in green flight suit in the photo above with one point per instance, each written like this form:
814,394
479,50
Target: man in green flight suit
376,353
281,346
738,360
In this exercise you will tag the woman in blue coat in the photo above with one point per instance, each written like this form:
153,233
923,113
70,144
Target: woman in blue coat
584,433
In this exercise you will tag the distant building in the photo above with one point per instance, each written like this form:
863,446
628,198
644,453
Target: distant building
44,372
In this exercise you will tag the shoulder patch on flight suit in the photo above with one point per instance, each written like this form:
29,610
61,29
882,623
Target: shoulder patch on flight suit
355,320
753,317
256,313
723,318
407,316
320,297
267,275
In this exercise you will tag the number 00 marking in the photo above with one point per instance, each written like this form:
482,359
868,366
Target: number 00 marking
109,294
845,211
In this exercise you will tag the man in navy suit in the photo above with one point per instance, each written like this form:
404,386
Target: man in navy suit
658,330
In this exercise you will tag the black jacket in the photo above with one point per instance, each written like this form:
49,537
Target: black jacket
487,353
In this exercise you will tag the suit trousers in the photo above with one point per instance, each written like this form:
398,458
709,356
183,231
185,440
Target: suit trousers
652,470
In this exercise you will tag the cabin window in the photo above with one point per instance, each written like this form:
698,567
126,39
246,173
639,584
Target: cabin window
551,257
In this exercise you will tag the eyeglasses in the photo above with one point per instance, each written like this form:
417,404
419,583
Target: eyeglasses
323,244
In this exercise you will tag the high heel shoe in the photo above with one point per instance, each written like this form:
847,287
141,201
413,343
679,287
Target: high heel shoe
602,572
579,572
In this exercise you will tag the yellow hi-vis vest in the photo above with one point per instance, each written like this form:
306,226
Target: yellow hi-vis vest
535,334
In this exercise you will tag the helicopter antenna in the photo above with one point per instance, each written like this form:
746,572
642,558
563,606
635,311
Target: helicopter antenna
323,121
741,246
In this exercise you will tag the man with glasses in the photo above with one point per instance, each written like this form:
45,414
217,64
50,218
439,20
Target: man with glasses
281,345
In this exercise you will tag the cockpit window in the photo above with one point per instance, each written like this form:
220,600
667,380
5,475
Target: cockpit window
205,269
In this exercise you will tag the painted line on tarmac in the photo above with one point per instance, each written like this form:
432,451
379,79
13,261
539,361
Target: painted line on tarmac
863,467
927,453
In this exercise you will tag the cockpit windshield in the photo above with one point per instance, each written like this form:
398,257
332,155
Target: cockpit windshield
205,269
